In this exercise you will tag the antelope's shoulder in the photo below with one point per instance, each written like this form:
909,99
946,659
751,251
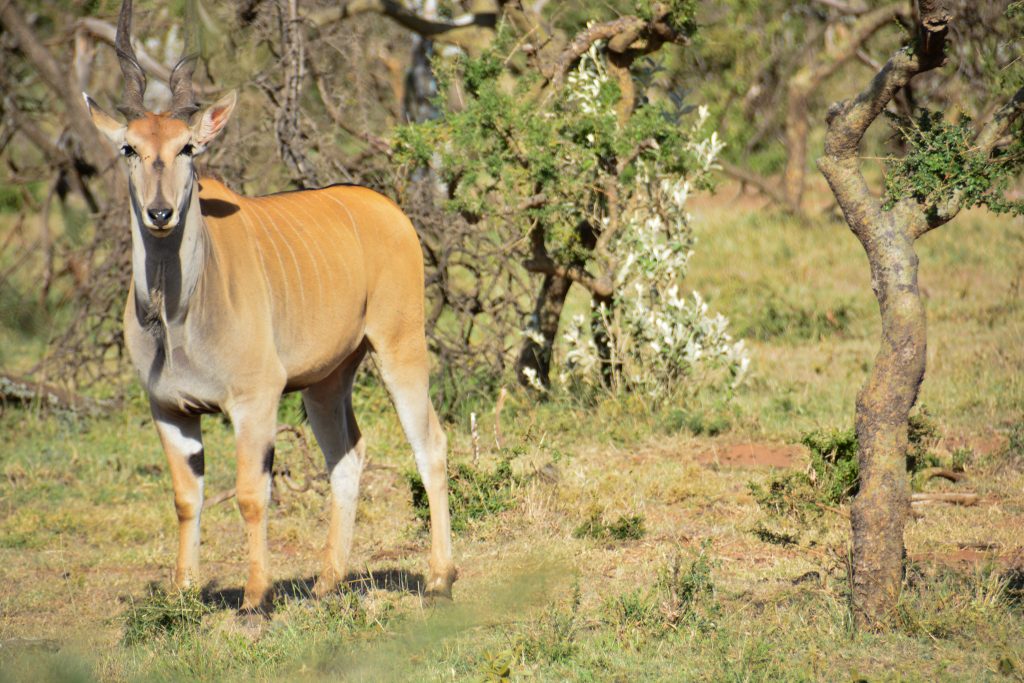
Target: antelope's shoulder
217,201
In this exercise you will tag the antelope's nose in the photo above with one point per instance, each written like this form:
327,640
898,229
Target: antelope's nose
159,216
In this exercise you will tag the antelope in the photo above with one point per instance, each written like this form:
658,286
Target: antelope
236,300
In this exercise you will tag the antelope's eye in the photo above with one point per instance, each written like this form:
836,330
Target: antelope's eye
187,151
128,151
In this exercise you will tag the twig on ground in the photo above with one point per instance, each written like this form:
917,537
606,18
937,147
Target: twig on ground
218,499
920,499
502,395
933,472
475,437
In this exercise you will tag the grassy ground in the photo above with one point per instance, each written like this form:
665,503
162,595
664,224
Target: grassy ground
621,543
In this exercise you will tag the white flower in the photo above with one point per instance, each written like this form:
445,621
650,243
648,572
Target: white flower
531,379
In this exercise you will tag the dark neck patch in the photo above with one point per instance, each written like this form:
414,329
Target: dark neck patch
268,459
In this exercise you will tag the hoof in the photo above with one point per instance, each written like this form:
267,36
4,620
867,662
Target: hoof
439,586
253,620
438,597
322,588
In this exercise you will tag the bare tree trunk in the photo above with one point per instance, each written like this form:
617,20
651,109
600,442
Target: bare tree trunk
290,143
535,354
887,235
880,508
603,341
797,130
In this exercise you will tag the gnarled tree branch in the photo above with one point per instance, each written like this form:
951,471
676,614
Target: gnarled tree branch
472,32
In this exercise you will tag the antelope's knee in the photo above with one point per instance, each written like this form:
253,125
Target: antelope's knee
188,508
252,505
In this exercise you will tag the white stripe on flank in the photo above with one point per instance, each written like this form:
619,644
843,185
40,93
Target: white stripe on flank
251,218
351,218
298,271
301,233
259,250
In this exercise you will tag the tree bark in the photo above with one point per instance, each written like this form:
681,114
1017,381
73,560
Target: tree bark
880,509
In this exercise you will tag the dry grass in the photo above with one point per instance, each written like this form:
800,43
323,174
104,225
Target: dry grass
87,523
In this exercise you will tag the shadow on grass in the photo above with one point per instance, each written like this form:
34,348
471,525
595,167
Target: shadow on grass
393,580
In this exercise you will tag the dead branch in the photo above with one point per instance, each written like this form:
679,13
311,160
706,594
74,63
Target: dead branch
472,32
942,473
762,184
919,499
106,32
474,434
97,152
600,286
378,143
287,127
27,392
845,8
625,34
218,499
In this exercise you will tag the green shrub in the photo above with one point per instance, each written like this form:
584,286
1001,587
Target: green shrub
162,613
688,593
626,527
833,475
834,463
698,422
682,595
555,639
473,493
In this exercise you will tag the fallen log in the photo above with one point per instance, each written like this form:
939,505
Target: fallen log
920,499
26,392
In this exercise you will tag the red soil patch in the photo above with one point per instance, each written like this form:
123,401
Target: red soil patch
752,455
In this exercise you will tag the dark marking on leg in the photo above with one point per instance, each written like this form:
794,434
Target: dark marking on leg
197,461
268,459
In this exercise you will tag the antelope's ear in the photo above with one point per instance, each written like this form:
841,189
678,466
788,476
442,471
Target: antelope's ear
106,124
213,119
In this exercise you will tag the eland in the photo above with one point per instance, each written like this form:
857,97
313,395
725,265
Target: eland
236,300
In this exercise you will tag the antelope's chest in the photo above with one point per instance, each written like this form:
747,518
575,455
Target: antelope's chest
175,374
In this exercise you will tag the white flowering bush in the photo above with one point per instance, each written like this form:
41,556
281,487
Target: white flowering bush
656,334
582,182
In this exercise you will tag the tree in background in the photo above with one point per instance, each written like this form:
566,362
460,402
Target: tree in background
765,65
949,165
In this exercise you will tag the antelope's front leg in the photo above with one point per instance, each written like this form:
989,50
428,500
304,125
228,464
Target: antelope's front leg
182,440
255,423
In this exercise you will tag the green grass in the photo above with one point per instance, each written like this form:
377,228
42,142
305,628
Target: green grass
88,530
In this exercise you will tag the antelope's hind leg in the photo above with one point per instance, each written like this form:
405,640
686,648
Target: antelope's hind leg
329,408
182,441
405,368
